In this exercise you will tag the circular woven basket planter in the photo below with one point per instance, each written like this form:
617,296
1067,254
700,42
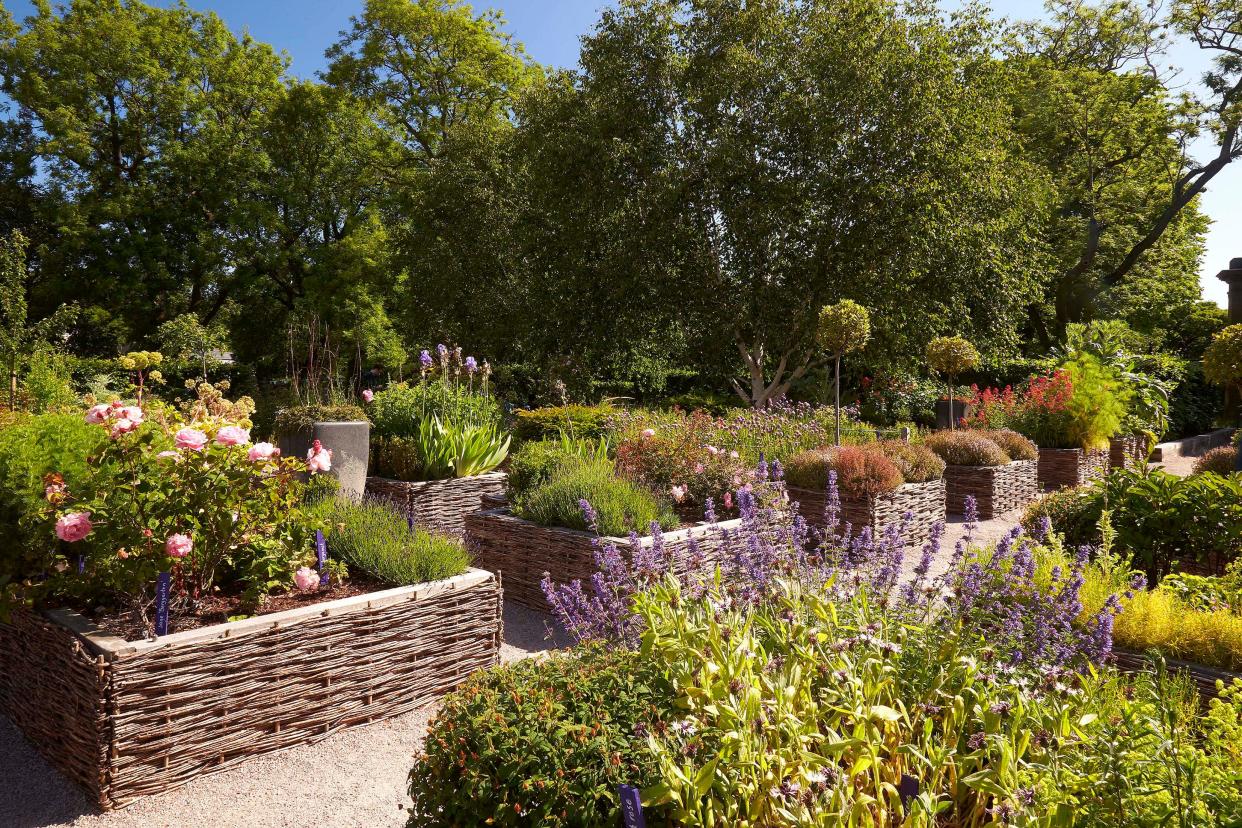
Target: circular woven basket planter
996,489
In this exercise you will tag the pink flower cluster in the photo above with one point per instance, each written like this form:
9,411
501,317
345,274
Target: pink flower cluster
122,418
318,459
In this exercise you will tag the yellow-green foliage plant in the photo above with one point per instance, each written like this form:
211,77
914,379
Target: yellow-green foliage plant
1098,405
1160,620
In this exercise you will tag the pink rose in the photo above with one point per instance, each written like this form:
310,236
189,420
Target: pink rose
368,395
74,526
648,433
318,459
232,436
97,413
306,579
262,451
122,426
190,439
178,545
679,493
728,500
133,413
169,455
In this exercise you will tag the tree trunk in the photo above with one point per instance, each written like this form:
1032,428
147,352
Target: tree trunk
837,400
952,419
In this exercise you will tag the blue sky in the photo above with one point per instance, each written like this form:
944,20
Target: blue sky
550,30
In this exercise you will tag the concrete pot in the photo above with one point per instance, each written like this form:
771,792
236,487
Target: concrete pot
350,444
961,410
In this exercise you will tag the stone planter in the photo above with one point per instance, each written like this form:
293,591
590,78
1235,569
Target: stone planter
925,502
521,552
961,410
439,505
1066,468
125,719
1129,452
996,489
350,443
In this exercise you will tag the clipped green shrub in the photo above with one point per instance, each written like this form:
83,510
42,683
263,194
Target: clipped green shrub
1074,513
620,506
1013,444
1223,461
535,463
302,417
581,421
860,472
916,462
542,742
966,448
373,539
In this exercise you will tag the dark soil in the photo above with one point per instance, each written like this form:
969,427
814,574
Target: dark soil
218,608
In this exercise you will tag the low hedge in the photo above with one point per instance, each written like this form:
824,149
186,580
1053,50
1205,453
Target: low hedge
541,742
582,421
860,472
620,506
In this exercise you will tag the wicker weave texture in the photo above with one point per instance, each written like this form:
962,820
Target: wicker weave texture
56,693
996,489
206,700
1127,452
1066,468
522,551
925,502
1204,677
439,505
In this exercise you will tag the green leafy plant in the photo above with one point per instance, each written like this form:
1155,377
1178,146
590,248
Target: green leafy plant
952,356
373,539
1098,405
1074,513
535,463
459,449
620,506
580,421
1222,361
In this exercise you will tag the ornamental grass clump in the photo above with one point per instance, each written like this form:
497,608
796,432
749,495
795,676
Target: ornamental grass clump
966,448
371,538
620,505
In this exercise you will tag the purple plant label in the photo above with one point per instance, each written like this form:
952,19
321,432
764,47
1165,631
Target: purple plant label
81,564
409,521
631,807
162,584
907,789
321,554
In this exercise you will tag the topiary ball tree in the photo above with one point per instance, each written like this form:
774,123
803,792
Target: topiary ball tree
1222,363
952,356
843,328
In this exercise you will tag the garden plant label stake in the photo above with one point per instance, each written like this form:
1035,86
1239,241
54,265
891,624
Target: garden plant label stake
321,553
908,789
162,583
631,807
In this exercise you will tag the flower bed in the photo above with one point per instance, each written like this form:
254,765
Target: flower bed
438,505
522,551
996,489
1204,677
925,502
128,719
1063,468
1129,452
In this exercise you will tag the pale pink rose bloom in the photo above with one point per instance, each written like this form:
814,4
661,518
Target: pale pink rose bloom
168,455
178,545
728,500
734,455
648,432
96,414
262,451
133,413
232,436
679,493
699,468
318,459
306,579
713,451
74,526
190,439
122,426
368,395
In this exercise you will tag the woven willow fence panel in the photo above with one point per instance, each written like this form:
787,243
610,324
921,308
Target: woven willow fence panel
523,551
438,505
924,501
1066,468
205,700
1204,677
1127,452
996,489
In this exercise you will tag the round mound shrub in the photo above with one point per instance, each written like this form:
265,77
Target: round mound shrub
1221,461
916,462
860,472
1013,444
542,742
1075,514
966,448
620,506
534,464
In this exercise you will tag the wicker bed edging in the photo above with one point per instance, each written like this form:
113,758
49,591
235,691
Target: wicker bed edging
439,505
1067,468
1204,677
996,489
126,719
925,502
521,551
1129,452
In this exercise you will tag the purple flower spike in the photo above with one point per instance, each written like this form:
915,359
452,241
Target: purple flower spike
471,365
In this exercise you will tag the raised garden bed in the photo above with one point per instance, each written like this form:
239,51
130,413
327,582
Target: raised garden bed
522,551
925,502
126,719
1204,677
996,489
438,505
1067,468
1128,452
